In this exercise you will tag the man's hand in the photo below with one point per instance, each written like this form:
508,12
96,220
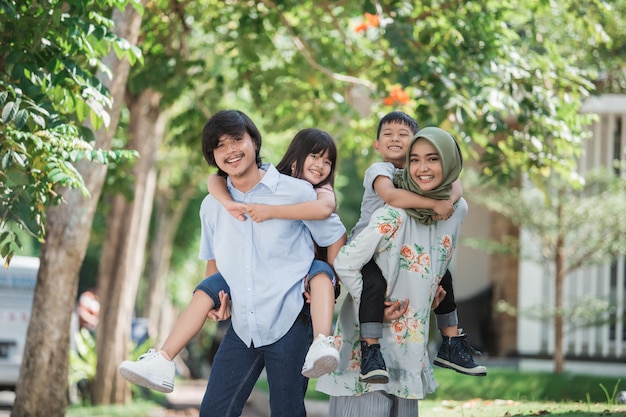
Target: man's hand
395,309
439,296
223,313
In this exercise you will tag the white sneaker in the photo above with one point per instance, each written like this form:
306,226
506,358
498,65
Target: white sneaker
151,370
322,357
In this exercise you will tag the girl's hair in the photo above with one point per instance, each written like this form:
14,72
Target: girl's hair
306,142
233,123
397,117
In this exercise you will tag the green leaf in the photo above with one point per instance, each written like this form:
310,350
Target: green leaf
21,118
8,112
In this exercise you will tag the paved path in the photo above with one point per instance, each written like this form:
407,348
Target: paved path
186,399
188,395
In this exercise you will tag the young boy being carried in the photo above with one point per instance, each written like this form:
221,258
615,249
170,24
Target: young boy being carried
395,131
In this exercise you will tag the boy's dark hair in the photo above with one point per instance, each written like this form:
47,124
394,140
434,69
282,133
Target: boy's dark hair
397,117
305,142
233,123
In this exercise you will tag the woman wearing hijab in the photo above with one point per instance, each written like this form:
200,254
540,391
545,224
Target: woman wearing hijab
413,252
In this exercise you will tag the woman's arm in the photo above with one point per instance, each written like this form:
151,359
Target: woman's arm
371,240
217,188
319,209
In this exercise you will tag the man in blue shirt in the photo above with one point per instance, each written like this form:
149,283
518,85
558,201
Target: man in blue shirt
264,265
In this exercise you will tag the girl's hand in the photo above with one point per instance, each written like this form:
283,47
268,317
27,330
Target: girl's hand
224,312
259,212
395,309
235,209
444,209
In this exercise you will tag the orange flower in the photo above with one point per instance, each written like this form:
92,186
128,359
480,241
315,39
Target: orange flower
407,253
361,28
423,259
447,243
384,228
398,326
371,21
396,96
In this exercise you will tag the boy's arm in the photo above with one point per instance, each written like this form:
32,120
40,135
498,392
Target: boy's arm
217,188
455,195
319,209
397,197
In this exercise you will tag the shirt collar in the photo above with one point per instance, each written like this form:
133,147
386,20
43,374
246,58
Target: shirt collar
269,180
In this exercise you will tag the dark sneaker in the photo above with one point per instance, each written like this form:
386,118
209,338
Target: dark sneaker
456,353
373,368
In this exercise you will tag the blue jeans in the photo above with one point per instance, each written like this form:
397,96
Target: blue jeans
215,283
237,367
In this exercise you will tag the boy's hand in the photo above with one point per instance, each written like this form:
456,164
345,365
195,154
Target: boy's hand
224,312
444,209
259,212
395,309
235,209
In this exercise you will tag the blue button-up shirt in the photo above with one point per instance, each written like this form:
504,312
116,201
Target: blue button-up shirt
265,263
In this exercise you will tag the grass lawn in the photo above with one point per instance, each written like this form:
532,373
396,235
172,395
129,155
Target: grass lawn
503,393
510,393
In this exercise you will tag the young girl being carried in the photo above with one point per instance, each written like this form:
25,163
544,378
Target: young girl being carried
311,156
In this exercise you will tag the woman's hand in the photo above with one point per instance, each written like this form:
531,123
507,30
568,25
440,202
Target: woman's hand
439,296
224,312
395,309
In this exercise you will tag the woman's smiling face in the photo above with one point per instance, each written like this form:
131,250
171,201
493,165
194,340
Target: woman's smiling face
425,165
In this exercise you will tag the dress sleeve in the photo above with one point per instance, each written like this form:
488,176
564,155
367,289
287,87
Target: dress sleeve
370,241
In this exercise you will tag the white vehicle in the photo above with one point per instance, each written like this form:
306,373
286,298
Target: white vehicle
17,288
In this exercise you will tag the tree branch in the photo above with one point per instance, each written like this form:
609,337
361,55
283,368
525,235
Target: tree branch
309,57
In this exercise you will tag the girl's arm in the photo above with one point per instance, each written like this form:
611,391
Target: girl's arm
319,209
397,197
333,250
217,188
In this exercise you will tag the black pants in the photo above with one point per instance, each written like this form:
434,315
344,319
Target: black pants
372,307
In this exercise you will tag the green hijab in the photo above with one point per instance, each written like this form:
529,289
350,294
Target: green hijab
452,164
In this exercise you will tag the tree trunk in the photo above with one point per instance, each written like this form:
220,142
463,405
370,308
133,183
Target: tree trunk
559,356
42,386
505,280
166,223
123,251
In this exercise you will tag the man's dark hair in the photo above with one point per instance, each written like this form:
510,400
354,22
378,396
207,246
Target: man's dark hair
232,123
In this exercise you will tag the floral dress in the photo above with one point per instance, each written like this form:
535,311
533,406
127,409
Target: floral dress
412,257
